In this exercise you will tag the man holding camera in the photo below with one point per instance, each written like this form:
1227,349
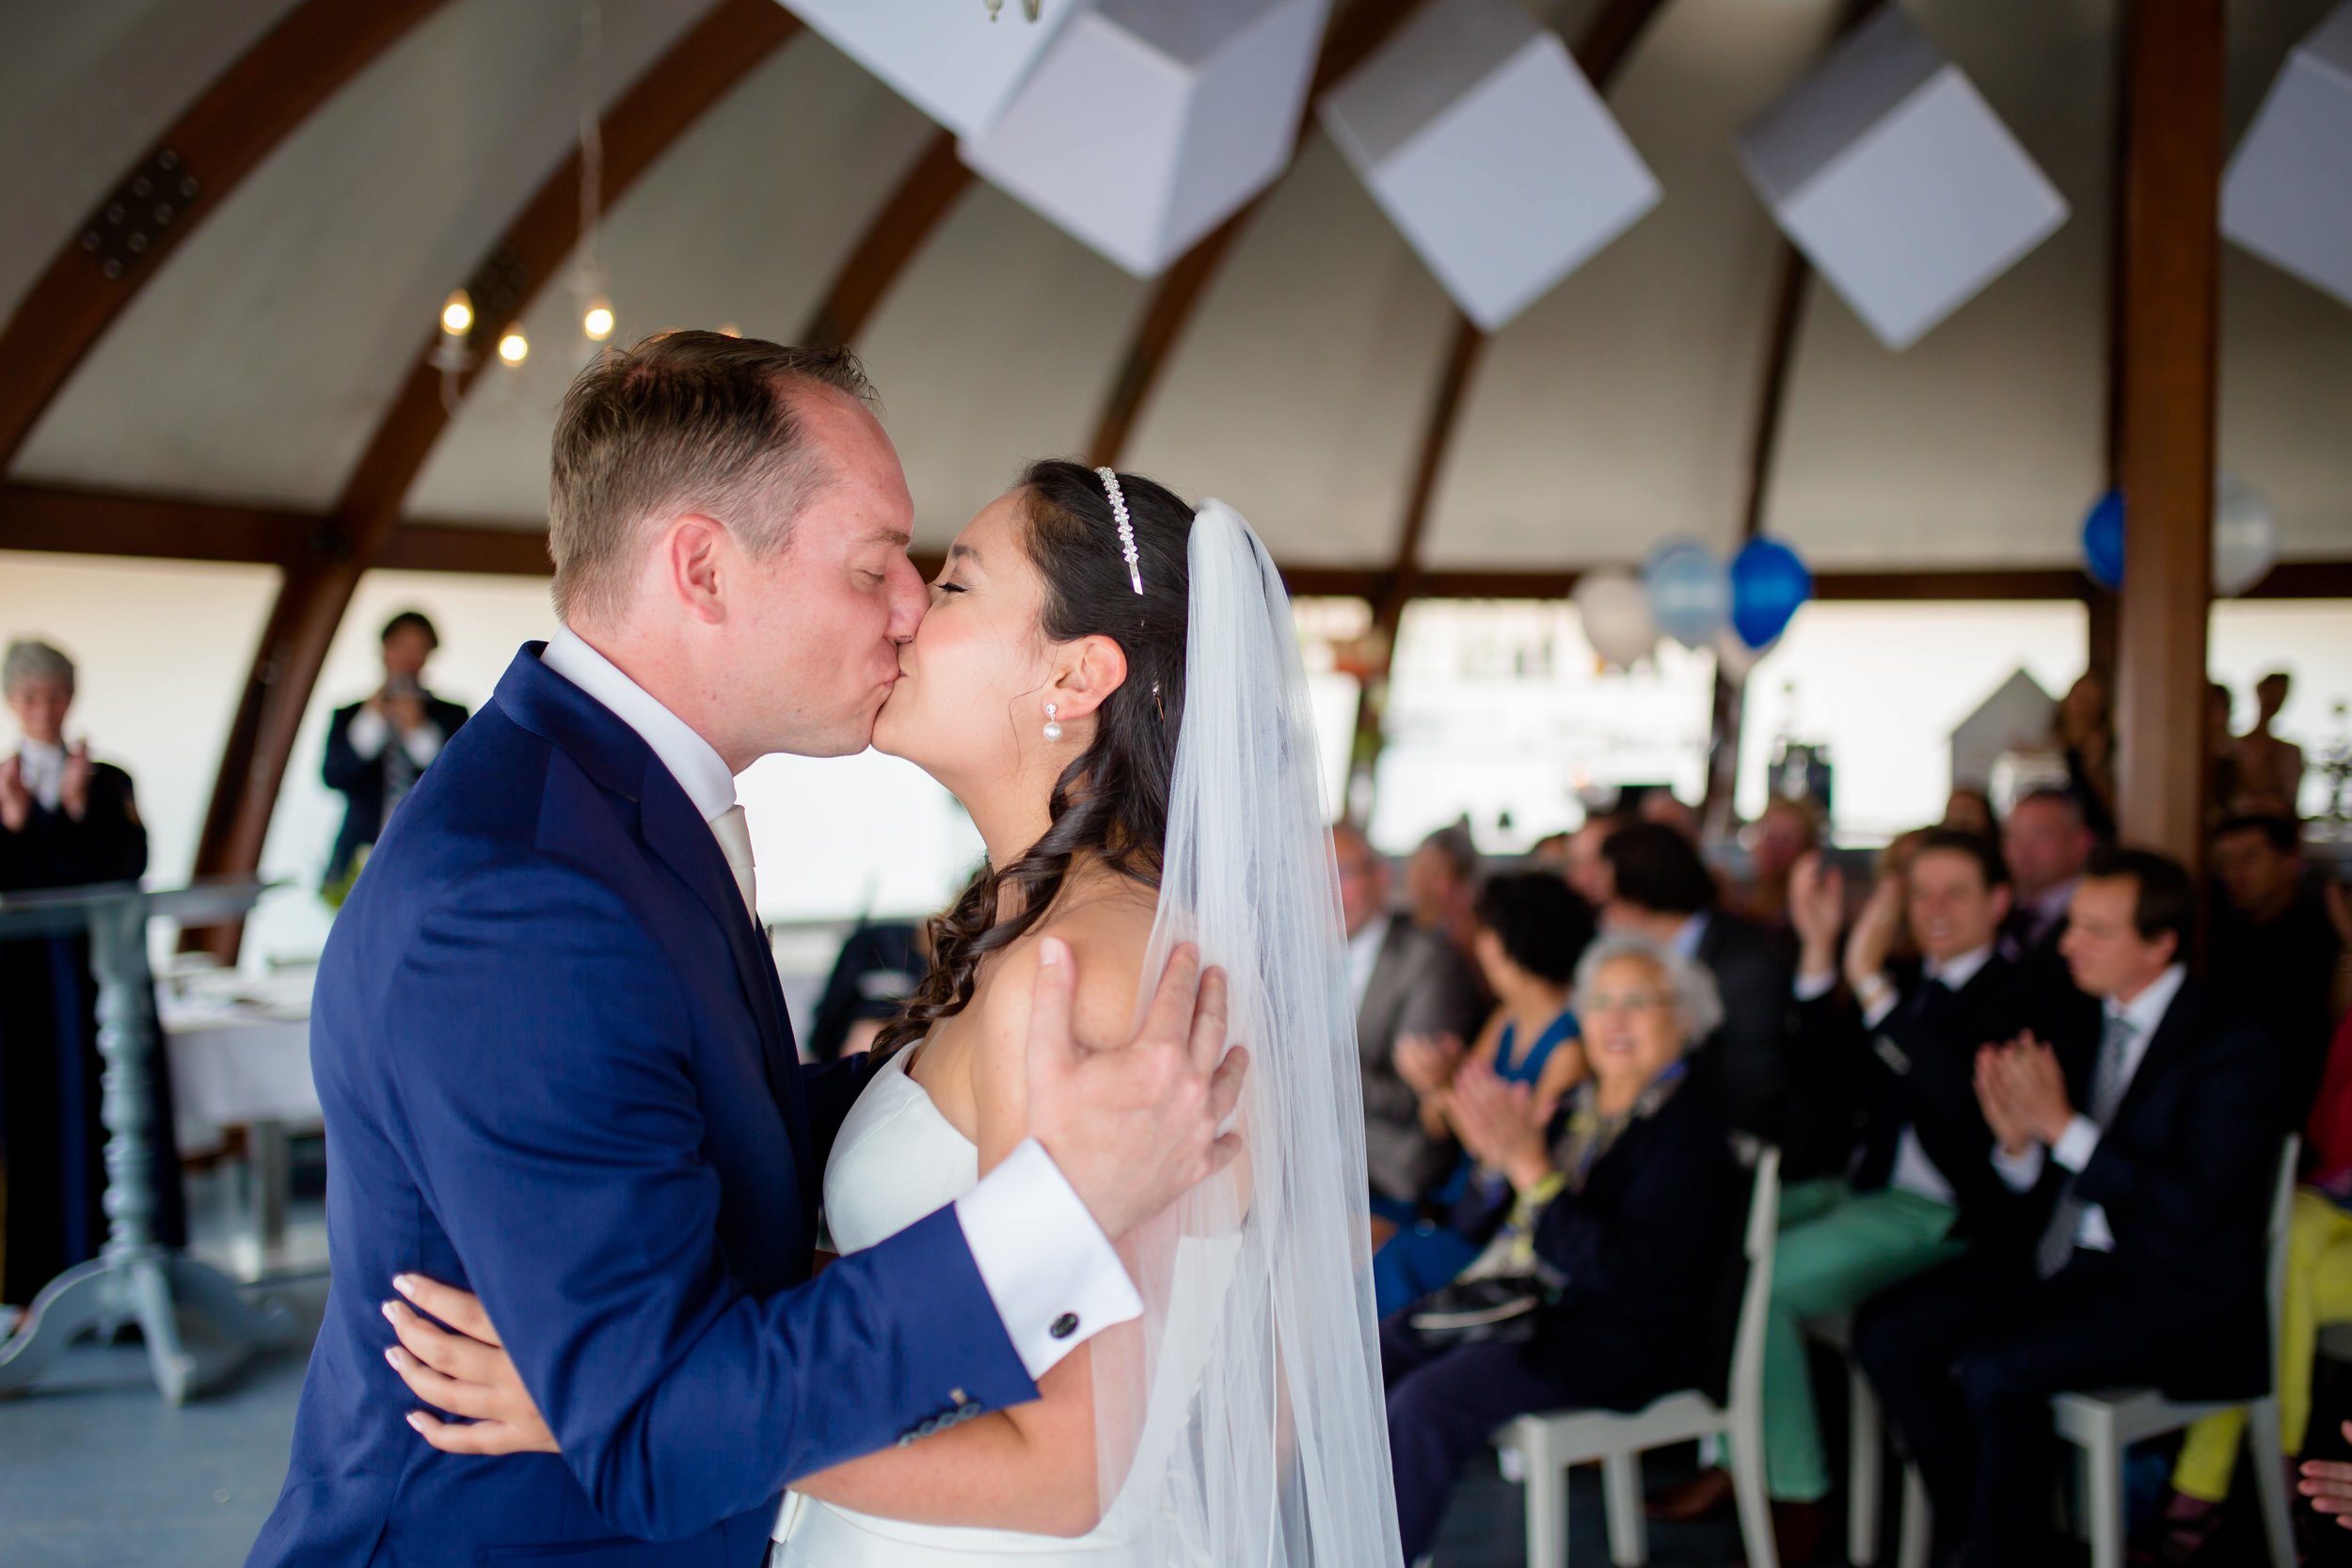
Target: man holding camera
377,749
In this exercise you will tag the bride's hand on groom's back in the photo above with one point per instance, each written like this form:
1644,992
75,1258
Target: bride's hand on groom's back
464,1370
1134,1129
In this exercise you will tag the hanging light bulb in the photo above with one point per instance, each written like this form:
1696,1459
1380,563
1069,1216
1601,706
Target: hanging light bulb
598,319
513,346
457,313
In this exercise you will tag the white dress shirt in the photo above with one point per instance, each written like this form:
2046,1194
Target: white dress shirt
371,732
2076,1146
1363,955
1913,1172
1046,1263
42,767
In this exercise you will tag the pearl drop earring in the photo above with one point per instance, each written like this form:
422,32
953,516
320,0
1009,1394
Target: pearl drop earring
1053,730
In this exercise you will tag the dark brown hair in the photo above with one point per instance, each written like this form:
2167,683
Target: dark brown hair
684,420
1111,801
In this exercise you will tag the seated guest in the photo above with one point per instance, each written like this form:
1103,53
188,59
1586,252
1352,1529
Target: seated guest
1407,982
1923,1178
1441,884
2317,1291
2153,1154
2272,951
375,749
1785,834
2046,842
66,821
1531,928
1623,1212
1588,868
1661,889
1969,810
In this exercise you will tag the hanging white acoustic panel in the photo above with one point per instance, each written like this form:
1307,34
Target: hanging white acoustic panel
1148,123
943,56
2287,196
1892,174
1490,152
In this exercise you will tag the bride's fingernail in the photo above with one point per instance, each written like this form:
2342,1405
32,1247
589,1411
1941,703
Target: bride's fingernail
405,1284
416,1421
391,1355
391,1310
1050,952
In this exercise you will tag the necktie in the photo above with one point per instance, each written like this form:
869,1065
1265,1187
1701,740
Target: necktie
735,838
2106,1094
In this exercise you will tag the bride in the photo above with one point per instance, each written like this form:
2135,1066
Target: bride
1109,683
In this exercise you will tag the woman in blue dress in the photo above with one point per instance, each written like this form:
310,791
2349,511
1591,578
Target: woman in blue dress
1532,927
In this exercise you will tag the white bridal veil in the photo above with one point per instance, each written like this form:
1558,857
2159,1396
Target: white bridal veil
1241,1420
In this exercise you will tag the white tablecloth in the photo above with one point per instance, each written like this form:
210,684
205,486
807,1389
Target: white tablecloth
239,1054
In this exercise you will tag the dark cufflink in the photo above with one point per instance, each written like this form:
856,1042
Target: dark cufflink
1064,1326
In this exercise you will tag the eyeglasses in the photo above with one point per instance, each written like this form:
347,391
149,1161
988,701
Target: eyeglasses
1631,1002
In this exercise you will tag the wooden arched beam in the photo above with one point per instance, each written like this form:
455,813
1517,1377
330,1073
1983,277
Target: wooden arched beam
924,195
1354,36
234,124
732,38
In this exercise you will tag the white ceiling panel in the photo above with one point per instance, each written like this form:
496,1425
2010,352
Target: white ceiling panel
256,364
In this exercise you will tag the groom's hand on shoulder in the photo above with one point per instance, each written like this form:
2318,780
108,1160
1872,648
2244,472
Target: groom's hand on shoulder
1134,1129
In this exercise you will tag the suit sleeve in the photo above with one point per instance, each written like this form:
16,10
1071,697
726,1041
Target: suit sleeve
1753,1071
560,1140
344,770
1682,1189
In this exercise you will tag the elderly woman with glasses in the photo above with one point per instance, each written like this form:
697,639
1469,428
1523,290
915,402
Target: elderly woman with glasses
1618,1221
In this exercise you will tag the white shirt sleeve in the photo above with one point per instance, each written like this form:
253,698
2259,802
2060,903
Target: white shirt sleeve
422,744
1812,988
1047,1265
2019,1171
368,733
1882,1007
2076,1144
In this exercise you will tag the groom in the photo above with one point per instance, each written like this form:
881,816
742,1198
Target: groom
555,1063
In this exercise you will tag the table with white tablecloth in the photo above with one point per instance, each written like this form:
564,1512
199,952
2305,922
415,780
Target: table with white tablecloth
240,1050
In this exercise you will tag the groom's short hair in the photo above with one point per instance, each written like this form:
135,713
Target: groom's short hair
683,421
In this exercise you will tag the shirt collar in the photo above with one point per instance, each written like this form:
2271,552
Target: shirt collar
692,760
1686,942
2145,1011
1956,973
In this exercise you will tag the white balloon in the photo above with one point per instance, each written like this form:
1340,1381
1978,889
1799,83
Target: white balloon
1617,614
1734,658
2245,538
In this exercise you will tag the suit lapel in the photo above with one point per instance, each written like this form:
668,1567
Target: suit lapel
2173,1035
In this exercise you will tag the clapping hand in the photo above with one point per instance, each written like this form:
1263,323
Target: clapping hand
1816,908
16,801
73,790
2001,1115
2328,1484
1427,1063
1497,1123
1873,935
2022,1092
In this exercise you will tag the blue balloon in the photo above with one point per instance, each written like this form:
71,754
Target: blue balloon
2103,541
1690,593
1767,583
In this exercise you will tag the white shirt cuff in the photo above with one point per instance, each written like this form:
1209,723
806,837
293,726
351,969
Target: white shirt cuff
1048,1267
368,733
2076,1144
1882,1007
422,744
2018,1171
1812,988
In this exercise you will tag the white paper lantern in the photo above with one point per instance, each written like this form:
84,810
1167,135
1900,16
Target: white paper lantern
2245,538
1147,123
2287,196
1892,174
1490,152
943,56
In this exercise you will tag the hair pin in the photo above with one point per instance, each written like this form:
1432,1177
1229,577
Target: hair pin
1126,527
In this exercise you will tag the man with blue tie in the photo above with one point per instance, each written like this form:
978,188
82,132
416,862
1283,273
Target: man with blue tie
2151,1157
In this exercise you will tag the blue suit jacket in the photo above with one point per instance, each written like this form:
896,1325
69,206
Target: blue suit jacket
556,1070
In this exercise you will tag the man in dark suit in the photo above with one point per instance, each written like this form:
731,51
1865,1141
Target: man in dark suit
377,749
2152,1155
1408,981
2046,842
1661,888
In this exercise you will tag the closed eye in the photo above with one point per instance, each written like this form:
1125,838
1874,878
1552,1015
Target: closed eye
943,586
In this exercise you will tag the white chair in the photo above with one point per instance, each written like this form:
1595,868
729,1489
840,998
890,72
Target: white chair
1865,1440
2104,1424
1549,1445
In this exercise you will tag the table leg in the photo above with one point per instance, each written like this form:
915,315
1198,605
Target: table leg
268,1153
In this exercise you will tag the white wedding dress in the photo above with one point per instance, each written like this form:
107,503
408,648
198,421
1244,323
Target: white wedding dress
896,1160
1240,1421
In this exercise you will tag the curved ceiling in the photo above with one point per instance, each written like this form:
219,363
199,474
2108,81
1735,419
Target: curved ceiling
1618,410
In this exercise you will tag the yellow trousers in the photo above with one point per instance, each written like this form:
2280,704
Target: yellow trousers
2318,1291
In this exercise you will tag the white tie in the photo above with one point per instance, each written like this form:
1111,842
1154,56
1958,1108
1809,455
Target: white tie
735,839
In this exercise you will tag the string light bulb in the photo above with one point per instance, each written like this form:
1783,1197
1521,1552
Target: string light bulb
457,313
513,348
596,321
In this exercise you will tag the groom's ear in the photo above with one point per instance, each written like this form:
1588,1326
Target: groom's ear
690,553
1088,672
